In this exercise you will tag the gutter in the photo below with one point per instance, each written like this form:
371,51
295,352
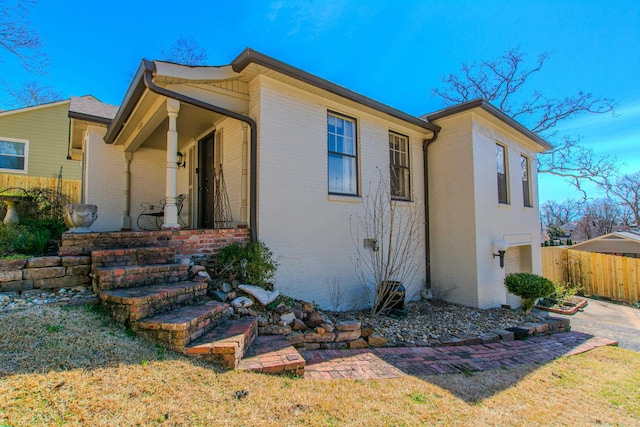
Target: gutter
427,238
146,70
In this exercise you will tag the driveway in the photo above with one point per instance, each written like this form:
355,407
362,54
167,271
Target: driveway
608,320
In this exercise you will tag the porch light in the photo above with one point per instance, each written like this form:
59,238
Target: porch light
180,160
501,246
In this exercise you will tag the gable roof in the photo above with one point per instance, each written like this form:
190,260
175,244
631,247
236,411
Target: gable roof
91,109
497,113
629,236
33,107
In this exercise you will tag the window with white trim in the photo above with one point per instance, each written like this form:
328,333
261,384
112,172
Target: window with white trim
13,154
399,166
501,165
526,181
343,154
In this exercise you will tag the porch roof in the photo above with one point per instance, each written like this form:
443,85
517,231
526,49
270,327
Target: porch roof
165,73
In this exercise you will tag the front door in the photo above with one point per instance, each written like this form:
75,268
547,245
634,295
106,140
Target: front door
206,182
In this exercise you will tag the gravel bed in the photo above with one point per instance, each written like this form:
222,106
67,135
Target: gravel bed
14,300
431,320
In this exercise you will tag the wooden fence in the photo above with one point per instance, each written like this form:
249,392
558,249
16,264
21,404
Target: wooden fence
609,276
69,187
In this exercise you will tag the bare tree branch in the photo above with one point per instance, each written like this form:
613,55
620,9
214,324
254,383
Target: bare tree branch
31,93
627,190
502,80
185,50
18,38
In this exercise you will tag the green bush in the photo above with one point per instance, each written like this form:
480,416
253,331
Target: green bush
23,239
251,263
564,291
529,287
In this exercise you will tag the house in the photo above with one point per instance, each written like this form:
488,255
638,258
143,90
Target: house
34,144
621,243
293,158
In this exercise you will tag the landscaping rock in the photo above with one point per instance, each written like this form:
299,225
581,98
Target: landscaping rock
226,287
262,321
47,261
219,296
307,307
314,319
489,337
287,318
12,264
347,335
295,338
298,325
348,325
376,340
504,334
262,295
327,327
242,302
359,343
365,332
274,330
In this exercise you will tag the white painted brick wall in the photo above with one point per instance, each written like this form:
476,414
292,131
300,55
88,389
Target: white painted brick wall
308,230
148,180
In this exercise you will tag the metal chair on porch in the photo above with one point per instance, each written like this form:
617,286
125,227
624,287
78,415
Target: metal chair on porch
151,218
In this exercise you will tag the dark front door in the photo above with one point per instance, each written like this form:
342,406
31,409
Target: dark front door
206,182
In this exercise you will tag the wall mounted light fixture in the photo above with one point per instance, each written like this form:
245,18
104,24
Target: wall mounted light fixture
501,246
180,160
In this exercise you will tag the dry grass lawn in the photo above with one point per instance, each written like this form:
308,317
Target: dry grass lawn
74,366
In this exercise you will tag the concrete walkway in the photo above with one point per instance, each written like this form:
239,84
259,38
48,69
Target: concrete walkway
615,321
379,363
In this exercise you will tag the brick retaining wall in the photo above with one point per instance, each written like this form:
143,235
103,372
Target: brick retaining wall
186,242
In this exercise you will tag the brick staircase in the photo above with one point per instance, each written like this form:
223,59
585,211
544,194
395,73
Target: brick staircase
146,290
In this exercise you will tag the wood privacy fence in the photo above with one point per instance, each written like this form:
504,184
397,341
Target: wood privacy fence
69,187
610,276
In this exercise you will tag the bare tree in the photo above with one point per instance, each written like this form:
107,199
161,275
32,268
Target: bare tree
627,190
393,232
502,81
601,216
18,38
31,93
554,213
185,50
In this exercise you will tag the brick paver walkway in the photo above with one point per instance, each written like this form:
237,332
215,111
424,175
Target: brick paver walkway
378,363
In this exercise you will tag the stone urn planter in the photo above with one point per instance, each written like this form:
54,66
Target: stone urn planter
79,217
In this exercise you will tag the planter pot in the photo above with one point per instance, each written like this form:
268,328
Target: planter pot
79,217
391,298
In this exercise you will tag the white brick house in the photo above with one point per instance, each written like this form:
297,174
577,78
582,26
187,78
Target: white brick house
298,154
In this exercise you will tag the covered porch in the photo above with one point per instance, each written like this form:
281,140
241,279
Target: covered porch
185,145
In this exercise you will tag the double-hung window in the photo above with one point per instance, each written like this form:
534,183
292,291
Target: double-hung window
526,182
343,154
13,154
501,164
399,166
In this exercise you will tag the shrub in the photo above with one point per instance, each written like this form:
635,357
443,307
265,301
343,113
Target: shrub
529,287
565,290
23,239
251,263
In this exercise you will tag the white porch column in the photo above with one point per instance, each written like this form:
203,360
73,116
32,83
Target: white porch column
170,208
126,212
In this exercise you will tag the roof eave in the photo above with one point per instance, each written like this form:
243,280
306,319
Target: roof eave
485,105
89,118
135,91
249,56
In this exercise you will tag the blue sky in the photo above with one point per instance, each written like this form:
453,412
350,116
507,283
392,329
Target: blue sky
392,51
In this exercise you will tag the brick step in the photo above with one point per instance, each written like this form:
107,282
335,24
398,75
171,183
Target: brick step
132,256
177,328
131,276
129,305
273,354
227,343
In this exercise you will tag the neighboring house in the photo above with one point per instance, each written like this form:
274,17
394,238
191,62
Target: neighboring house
300,155
622,243
34,145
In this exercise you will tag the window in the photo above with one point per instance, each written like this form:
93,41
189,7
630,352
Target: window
343,160
526,183
501,164
399,165
13,154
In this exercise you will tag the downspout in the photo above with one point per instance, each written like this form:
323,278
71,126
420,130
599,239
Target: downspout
148,82
427,239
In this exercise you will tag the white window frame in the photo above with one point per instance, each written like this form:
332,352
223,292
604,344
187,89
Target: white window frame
354,156
404,165
26,155
525,169
505,165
